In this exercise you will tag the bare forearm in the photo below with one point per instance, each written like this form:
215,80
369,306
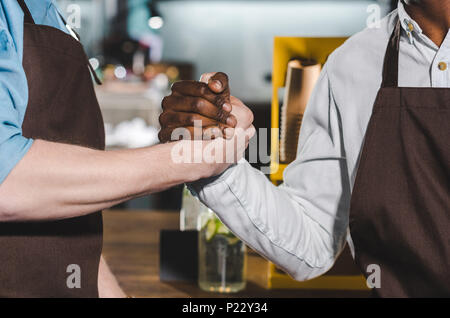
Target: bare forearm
56,181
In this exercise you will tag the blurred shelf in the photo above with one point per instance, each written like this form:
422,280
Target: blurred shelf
122,102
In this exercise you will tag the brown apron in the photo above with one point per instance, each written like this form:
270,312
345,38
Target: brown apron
62,107
400,206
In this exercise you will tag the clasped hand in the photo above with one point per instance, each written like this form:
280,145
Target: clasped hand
205,110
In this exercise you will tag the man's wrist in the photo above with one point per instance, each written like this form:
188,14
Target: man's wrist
198,185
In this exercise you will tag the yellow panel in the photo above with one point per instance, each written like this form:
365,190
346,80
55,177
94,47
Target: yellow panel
277,280
277,170
326,282
286,48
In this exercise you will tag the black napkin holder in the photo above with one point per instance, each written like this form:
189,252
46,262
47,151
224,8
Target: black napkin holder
178,255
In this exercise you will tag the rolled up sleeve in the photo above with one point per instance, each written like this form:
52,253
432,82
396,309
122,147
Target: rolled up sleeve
13,101
301,225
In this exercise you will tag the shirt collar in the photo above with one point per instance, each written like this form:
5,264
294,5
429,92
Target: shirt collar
410,26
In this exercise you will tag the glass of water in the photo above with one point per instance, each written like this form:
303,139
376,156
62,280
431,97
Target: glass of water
222,256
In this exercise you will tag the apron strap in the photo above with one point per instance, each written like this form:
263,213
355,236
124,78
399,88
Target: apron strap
68,27
28,18
94,74
91,69
390,67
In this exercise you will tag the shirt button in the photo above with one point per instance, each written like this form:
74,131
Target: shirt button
442,66
410,26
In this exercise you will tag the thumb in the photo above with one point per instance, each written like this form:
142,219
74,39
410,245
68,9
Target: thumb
206,77
217,82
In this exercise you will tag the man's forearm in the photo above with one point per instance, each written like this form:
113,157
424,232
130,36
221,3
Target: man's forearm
273,221
55,181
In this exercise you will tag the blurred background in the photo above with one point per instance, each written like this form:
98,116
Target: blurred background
169,244
140,47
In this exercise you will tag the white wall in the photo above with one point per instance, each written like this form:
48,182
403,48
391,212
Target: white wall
236,36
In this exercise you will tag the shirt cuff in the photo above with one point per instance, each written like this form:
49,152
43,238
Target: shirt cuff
197,186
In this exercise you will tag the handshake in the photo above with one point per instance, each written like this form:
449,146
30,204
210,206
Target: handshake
206,111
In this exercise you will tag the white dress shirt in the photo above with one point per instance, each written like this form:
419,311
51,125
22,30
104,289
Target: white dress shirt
302,225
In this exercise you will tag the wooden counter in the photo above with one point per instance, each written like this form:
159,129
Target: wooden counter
131,248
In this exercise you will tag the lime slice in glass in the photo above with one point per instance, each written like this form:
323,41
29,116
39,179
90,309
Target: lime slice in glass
211,229
222,229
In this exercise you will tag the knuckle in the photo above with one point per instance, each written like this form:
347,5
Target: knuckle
175,86
250,115
219,100
162,119
252,131
203,88
222,116
165,102
205,76
197,104
167,118
161,136
191,118
193,104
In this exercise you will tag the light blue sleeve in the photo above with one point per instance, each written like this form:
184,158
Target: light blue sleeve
13,93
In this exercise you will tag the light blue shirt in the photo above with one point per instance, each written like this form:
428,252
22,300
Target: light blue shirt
13,82
302,225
